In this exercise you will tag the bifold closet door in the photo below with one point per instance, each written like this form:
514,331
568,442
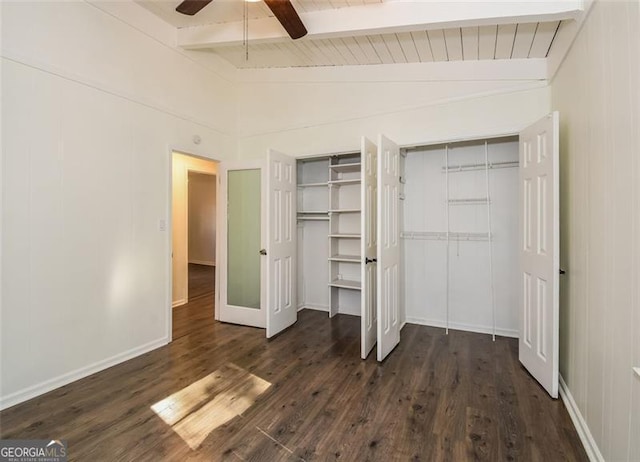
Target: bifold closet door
539,251
281,242
368,198
388,248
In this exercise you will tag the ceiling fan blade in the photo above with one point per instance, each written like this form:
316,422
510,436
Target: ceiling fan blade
191,7
288,17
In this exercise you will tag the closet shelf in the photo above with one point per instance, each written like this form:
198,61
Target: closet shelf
470,201
345,235
480,166
344,211
312,212
312,185
345,258
344,182
313,218
346,168
345,284
442,236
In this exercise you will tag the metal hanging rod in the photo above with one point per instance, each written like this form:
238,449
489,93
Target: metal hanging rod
470,201
443,236
482,166
307,218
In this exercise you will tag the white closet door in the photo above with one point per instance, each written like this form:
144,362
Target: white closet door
539,251
281,243
368,197
388,229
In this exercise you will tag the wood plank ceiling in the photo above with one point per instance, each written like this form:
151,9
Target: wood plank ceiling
504,41
508,41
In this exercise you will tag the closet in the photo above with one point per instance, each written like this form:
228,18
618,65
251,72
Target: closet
460,235
453,216
336,236
329,233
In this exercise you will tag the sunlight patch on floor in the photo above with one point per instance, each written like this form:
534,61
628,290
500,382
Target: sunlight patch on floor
198,409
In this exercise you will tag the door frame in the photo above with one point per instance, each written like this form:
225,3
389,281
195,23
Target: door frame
168,223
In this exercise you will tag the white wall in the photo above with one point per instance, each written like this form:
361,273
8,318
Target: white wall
91,108
596,92
309,115
202,219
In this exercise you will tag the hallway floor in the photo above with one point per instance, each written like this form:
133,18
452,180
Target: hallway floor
198,313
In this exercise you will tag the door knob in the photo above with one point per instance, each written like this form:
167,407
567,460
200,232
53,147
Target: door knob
370,260
263,252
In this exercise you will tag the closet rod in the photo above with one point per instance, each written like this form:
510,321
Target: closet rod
446,163
468,167
493,301
469,201
313,218
442,236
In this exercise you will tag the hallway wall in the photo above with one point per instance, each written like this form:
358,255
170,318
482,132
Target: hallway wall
202,219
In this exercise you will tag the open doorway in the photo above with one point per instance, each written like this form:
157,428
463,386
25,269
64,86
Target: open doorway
193,243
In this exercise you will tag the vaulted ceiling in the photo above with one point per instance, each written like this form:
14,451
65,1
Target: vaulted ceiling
362,32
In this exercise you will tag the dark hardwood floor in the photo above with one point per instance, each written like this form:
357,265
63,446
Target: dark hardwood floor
198,313
223,392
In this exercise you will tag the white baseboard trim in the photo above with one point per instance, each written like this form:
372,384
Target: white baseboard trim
308,306
590,446
462,326
64,379
203,262
352,311
180,302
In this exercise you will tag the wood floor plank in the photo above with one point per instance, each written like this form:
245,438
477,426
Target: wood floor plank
304,395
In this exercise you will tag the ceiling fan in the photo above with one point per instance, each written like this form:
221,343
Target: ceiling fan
283,10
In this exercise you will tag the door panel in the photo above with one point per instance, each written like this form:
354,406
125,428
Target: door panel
388,247
282,242
539,251
243,238
243,204
368,197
